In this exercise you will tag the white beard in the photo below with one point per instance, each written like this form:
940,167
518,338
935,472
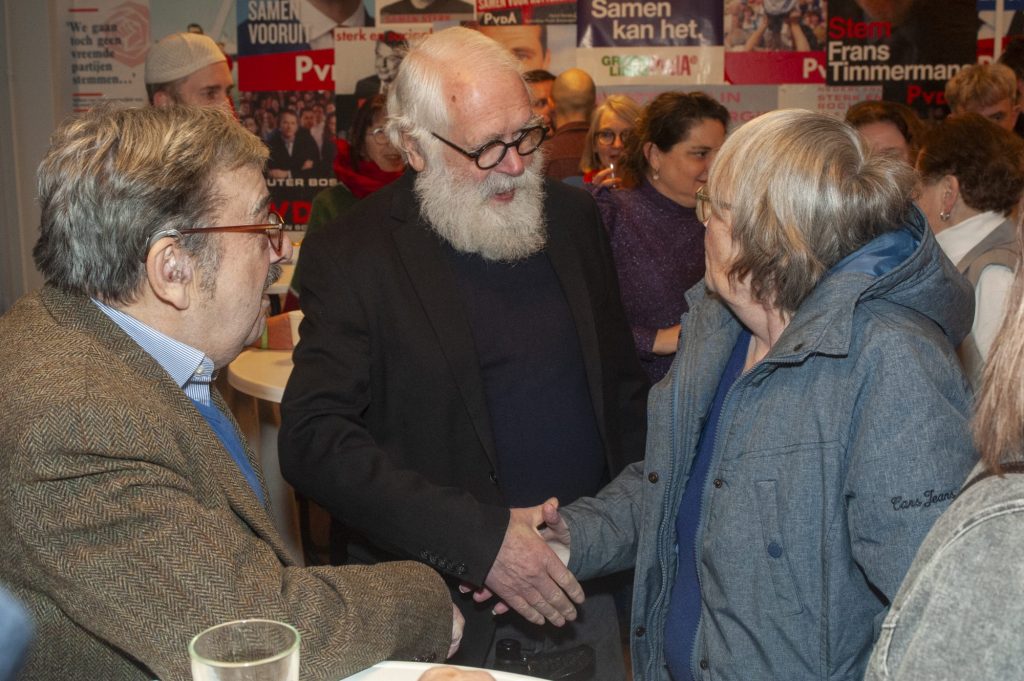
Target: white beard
461,211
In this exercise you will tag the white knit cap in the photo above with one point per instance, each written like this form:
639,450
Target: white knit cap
179,55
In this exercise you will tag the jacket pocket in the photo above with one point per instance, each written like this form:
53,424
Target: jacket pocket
775,550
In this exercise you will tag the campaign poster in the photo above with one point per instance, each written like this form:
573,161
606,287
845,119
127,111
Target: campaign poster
775,41
832,101
423,11
366,61
744,102
519,12
299,129
289,44
651,42
911,47
550,47
1007,23
214,18
102,47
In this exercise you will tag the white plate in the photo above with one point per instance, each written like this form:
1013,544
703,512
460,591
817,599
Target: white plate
410,671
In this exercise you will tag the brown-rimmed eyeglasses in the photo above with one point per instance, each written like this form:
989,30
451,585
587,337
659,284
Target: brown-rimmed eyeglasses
273,229
703,205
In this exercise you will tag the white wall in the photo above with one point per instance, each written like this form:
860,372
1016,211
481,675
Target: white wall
27,116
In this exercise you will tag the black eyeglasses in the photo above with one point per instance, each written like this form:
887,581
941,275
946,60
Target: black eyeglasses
492,153
274,230
606,138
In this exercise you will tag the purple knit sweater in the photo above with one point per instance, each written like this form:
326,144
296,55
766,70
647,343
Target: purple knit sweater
659,254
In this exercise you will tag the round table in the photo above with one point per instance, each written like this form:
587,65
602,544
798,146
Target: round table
262,375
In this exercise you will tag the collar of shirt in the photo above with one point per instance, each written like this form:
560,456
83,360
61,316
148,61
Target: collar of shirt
189,368
958,240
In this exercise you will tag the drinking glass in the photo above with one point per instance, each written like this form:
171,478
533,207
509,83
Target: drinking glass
246,650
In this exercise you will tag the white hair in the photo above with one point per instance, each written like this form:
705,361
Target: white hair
461,210
416,99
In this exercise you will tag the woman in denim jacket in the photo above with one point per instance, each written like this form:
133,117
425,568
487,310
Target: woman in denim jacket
959,611
812,427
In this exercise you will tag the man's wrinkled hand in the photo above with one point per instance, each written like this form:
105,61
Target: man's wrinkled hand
482,595
528,576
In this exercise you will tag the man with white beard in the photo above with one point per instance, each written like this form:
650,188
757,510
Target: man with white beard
464,351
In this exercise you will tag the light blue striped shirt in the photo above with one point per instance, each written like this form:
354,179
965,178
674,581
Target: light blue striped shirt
193,372
189,368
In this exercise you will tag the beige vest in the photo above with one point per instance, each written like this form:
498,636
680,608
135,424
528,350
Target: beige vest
1000,247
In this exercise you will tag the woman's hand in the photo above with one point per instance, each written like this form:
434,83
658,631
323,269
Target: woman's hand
666,341
607,178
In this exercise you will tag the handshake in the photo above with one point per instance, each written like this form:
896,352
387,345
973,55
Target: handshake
528,576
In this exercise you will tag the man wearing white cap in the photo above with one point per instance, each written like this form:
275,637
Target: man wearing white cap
188,68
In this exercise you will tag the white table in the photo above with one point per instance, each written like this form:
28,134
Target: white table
410,671
262,374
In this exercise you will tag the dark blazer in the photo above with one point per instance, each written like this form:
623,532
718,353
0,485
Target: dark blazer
303,149
384,420
126,528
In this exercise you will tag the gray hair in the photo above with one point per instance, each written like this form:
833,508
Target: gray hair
803,191
416,98
114,177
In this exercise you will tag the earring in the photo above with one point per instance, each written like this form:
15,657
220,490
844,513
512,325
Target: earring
944,214
656,175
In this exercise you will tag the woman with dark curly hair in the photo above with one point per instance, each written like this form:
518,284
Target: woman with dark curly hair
656,238
971,181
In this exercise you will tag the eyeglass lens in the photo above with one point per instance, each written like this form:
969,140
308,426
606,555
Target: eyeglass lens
527,143
607,137
276,232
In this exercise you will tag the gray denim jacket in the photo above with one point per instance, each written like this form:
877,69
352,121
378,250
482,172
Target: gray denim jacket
960,610
833,458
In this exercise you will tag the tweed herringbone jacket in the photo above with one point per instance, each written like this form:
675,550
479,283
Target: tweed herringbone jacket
126,528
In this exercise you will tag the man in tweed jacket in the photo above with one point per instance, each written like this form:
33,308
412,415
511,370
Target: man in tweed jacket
132,513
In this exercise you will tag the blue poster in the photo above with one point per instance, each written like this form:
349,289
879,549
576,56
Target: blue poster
649,23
